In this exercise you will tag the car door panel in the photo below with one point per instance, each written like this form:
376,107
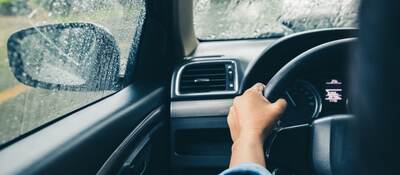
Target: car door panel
133,155
82,142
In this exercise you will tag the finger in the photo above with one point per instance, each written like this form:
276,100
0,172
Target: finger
236,100
280,105
231,123
233,116
236,123
229,119
258,87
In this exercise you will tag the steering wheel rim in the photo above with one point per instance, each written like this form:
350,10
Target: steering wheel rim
288,72
287,75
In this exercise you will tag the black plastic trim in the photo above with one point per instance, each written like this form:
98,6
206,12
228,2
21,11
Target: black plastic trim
114,162
185,161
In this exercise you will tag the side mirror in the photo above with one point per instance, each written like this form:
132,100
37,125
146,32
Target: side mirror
67,56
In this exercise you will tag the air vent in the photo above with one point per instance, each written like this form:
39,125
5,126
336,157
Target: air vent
207,77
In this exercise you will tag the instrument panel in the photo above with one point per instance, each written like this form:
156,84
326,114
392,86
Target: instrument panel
314,97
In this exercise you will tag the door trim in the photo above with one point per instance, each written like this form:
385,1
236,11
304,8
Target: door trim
151,123
89,135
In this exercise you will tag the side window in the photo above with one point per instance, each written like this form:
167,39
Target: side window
66,53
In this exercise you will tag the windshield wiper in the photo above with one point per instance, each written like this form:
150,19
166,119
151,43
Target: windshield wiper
270,35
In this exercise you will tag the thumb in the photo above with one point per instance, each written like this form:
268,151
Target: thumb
280,105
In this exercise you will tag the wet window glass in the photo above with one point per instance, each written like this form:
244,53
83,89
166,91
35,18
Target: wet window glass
57,56
237,19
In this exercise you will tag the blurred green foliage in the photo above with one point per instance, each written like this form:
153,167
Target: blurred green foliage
5,1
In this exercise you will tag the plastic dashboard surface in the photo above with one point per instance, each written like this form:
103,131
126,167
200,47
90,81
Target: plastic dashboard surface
200,137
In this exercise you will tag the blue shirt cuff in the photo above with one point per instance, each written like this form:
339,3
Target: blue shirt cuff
246,168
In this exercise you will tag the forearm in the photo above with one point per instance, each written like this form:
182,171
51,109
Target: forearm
248,149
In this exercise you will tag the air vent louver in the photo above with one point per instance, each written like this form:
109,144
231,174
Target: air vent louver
207,77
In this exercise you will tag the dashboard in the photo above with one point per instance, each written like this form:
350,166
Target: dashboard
313,97
200,135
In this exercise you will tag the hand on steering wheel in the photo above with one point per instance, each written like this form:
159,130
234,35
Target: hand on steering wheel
250,120
252,115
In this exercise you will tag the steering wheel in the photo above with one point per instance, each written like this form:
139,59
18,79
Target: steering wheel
318,147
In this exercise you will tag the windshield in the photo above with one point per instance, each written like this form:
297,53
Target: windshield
240,19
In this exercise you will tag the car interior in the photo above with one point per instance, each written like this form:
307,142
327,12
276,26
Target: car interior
169,114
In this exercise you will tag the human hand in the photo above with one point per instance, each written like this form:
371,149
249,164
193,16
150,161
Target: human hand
252,116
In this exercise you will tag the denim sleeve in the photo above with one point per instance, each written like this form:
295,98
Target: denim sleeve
246,169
